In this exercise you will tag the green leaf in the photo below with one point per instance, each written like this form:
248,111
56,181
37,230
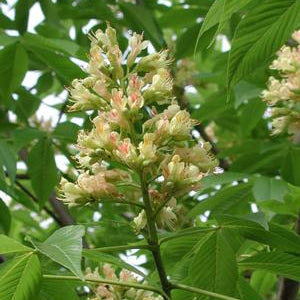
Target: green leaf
107,258
245,91
64,246
65,69
58,290
9,245
266,188
13,66
246,292
251,114
259,35
42,170
281,263
186,42
20,278
27,104
22,14
226,177
220,12
64,46
223,200
141,19
8,160
277,236
214,266
263,281
5,218
66,132
290,166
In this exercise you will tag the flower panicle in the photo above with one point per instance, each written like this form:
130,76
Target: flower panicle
139,128
283,91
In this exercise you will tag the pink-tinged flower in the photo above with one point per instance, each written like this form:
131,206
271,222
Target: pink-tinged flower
154,61
296,36
136,45
277,91
135,101
180,173
82,98
147,149
118,101
109,272
160,90
126,152
198,156
181,125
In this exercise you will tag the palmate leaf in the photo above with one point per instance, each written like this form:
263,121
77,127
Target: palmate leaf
281,263
214,266
259,35
64,246
20,278
9,245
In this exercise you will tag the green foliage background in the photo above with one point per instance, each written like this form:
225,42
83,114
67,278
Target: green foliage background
255,201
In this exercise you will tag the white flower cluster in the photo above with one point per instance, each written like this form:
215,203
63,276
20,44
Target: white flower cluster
283,93
116,292
139,129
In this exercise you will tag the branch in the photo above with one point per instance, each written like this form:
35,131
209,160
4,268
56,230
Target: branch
111,282
200,291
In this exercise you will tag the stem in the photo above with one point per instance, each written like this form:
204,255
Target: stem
120,248
111,282
200,291
153,239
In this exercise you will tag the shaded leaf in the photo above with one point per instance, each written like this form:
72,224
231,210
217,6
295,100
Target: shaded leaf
42,169
214,266
64,246
9,245
13,66
281,263
5,218
20,278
